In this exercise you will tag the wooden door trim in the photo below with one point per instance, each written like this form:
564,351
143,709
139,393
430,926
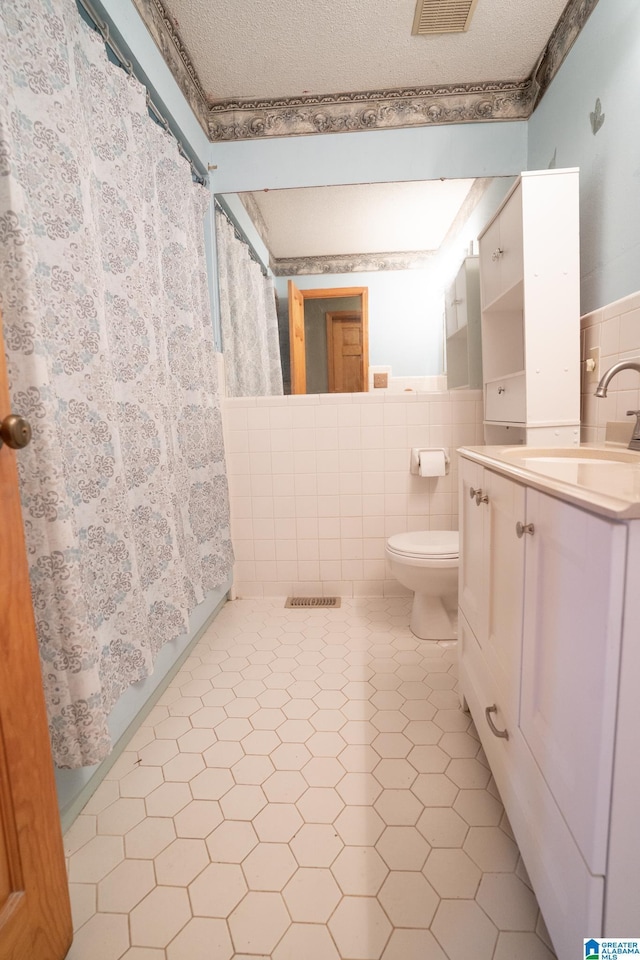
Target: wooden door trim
36,919
297,359
334,293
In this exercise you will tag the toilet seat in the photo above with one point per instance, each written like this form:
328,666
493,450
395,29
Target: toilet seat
426,544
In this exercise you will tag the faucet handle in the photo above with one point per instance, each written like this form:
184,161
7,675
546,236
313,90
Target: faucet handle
634,443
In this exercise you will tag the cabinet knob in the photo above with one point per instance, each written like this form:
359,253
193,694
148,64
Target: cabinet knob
522,528
502,389
502,734
478,495
497,253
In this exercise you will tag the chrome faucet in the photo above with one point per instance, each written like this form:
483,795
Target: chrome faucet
601,391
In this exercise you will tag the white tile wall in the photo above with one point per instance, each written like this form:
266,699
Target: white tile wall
615,329
318,483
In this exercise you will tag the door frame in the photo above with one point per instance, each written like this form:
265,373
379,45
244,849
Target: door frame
329,293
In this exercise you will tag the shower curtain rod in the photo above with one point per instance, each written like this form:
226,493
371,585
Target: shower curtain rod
239,232
104,30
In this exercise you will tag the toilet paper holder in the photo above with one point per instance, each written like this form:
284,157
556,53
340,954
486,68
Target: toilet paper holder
414,460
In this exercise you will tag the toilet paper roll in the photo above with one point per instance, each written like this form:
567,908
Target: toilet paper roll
432,463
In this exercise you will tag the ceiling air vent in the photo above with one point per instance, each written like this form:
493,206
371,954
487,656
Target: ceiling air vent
442,16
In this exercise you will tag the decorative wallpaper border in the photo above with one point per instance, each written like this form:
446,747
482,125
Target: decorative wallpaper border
367,110
566,32
351,263
370,110
168,41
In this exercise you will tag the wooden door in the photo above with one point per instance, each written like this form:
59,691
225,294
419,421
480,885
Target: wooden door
296,340
35,918
345,352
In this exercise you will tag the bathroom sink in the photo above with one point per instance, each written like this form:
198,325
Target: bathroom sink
608,471
605,476
591,456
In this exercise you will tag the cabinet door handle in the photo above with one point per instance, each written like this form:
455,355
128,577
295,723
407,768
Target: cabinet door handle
522,528
503,734
473,492
502,389
497,253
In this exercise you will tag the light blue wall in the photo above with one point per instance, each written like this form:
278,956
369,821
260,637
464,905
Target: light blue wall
604,63
420,153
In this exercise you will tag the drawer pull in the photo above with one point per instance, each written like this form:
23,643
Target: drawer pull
497,253
503,734
502,389
522,528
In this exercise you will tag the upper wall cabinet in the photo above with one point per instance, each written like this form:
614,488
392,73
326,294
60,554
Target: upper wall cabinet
462,316
530,295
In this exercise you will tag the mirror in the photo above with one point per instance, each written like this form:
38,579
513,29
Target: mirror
403,243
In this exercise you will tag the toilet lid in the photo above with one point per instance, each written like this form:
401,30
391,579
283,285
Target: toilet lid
426,543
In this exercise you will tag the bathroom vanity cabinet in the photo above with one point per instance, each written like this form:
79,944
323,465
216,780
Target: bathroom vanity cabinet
547,637
529,280
462,319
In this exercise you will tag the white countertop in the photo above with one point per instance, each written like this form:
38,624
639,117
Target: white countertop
607,487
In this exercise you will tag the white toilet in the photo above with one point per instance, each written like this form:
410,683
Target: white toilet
426,561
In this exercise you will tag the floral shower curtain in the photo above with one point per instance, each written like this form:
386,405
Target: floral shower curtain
248,319
110,355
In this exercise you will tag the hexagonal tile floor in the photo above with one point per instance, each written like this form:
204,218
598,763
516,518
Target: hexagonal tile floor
307,787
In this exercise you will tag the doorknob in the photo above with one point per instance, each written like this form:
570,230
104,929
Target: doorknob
15,431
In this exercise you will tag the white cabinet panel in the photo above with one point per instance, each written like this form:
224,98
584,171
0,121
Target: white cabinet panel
530,283
571,898
505,399
543,591
554,644
501,255
570,661
472,570
504,563
462,316
511,242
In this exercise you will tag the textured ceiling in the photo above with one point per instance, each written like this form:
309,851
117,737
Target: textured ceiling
246,48
365,218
